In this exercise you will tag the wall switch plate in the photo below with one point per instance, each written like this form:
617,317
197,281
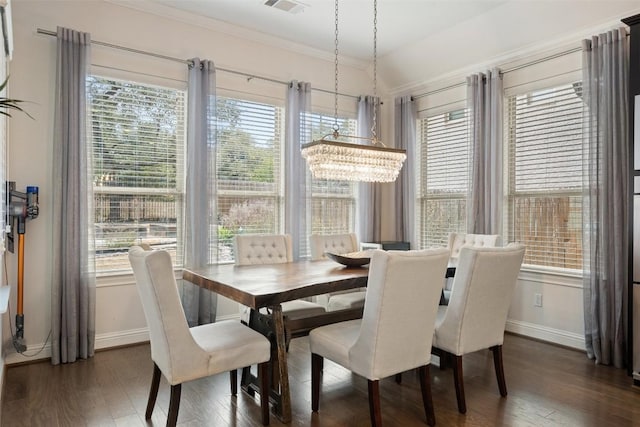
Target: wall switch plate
537,300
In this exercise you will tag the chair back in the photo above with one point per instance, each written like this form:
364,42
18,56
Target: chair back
333,243
173,348
400,309
250,249
457,241
482,290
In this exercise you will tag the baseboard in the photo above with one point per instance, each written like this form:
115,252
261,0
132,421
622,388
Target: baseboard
33,353
134,336
121,338
36,352
544,333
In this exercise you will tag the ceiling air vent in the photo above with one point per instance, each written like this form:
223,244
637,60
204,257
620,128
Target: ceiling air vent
286,5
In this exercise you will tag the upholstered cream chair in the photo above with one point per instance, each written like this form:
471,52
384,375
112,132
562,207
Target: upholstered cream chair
333,243
336,244
181,353
251,249
477,312
394,334
457,241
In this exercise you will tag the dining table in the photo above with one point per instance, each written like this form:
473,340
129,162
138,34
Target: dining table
263,288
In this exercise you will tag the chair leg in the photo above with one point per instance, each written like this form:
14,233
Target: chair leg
174,405
153,392
457,379
497,363
233,378
374,403
398,378
263,372
442,356
245,380
317,363
427,399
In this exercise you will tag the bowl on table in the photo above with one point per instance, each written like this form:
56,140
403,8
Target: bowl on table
351,259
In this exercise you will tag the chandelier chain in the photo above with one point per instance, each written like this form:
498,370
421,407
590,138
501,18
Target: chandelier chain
375,70
336,127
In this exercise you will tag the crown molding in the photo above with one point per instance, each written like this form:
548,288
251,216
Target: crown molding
509,59
223,27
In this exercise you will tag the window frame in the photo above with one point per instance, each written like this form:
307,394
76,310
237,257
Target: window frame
277,195
176,191
511,194
446,110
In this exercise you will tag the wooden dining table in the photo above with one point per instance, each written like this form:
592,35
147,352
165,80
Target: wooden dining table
268,286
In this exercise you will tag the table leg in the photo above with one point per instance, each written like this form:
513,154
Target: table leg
272,327
285,392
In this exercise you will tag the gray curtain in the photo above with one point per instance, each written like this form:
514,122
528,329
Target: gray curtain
297,193
605,68
484,204
73,282
369,207
406,114
200,304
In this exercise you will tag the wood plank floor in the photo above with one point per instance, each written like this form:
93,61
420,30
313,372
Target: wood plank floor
548,386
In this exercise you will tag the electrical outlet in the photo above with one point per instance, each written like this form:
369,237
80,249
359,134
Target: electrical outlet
537,300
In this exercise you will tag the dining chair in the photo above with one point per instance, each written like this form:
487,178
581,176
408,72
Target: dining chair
477,312
252,249
180,353
394,334
456,242
338,244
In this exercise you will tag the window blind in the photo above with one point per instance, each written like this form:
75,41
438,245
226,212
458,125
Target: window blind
138,139
545,175
332,202
248,171
443,176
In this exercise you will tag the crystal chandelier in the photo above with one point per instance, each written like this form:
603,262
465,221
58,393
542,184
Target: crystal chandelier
345,161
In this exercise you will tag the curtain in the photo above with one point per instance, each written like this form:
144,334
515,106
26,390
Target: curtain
605,68
297,193
484,97
406,115
73,282
200,304
369,207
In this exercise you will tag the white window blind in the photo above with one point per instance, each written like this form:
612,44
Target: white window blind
249,171
443,176
545,175
333,203
138,142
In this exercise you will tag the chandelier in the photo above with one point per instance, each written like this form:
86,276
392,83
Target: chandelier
337,159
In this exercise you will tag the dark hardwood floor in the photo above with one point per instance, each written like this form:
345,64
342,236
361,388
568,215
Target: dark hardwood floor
548,386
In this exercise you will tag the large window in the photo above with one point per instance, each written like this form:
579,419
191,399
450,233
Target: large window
332,202
138,139
545,175
249,173
443,150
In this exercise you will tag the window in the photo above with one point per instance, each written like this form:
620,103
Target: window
443,150
544,136
249,172
333,203
138,141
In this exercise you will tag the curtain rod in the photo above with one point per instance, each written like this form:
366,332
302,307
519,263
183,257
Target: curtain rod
188,62
508,70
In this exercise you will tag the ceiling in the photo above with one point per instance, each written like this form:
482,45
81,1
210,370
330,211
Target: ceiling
417,40
312,22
